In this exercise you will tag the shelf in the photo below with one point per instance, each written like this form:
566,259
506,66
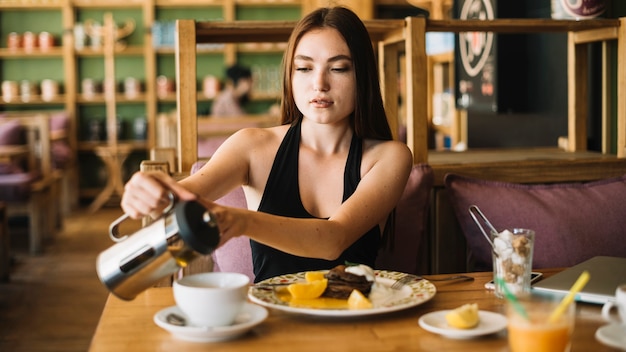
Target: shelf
202,50
6,53
275,31
135,50
33,5
579,33
527,165
107,5
519,25
34,100
276,48
262,3
120,98
171,98
187,3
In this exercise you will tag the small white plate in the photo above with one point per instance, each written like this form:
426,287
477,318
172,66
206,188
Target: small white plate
490,323
250,316
613,335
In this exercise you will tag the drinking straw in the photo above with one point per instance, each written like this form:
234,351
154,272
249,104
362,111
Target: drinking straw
512,299
567,300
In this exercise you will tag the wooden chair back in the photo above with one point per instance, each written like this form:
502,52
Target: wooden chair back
392,38
37,205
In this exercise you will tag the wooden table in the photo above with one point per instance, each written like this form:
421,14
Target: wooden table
113,158
128,326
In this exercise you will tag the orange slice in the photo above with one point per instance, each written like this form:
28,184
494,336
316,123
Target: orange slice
307,290
464,317
311,276
358,301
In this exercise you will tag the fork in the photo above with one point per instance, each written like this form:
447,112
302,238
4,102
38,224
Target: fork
408,278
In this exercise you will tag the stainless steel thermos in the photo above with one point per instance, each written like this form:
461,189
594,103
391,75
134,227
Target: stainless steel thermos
184,232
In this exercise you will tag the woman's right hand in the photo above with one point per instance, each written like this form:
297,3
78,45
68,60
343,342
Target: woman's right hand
147,193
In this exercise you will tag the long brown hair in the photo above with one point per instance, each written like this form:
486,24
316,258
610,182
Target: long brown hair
368,120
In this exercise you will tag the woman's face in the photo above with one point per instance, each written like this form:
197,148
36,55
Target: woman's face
323,81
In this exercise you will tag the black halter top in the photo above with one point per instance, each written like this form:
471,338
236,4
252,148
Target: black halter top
282,197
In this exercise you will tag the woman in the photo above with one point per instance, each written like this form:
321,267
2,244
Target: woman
325,182
236,93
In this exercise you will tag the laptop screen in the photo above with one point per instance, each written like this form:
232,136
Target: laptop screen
605,274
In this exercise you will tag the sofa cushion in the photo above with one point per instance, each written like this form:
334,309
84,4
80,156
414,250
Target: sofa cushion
61,151
16,187
572,221
208,146
11,133
403,253
236,254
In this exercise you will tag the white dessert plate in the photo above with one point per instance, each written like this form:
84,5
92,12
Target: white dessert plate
490,323
384,298
613,335
250,316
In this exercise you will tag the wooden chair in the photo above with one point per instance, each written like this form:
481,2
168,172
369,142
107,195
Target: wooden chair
64,167
28,192
393,37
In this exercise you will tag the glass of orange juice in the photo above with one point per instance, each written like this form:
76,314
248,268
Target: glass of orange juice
530,329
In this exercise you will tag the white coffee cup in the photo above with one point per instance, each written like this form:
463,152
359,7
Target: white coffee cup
211,299
619,303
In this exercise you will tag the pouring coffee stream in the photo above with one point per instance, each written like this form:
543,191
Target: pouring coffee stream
474,210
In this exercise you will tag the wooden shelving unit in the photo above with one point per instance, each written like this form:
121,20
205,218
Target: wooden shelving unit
146,13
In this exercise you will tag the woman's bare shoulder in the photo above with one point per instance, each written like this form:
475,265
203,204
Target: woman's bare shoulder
389,154
384,149
255,137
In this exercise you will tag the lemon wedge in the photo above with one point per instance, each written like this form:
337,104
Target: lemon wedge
311,276
463,317
307,290
358,301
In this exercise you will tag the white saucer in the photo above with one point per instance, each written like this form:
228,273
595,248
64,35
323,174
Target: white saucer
250,316
490,323
613,335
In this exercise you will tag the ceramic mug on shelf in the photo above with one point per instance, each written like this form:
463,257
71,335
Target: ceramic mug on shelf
132,87
49,89
164,86
90,88
46,40
28,90
10,91
30,41
619,303
14,41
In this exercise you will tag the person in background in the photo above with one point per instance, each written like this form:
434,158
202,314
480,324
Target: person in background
321,188
236,93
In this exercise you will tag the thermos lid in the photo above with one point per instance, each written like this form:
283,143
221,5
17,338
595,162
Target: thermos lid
200,235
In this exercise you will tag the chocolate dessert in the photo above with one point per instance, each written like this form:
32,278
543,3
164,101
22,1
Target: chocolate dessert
341,283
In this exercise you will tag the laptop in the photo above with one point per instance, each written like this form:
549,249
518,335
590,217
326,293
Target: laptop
605,274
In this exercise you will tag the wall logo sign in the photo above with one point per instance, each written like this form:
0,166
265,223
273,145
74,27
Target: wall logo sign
578,9
475,47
